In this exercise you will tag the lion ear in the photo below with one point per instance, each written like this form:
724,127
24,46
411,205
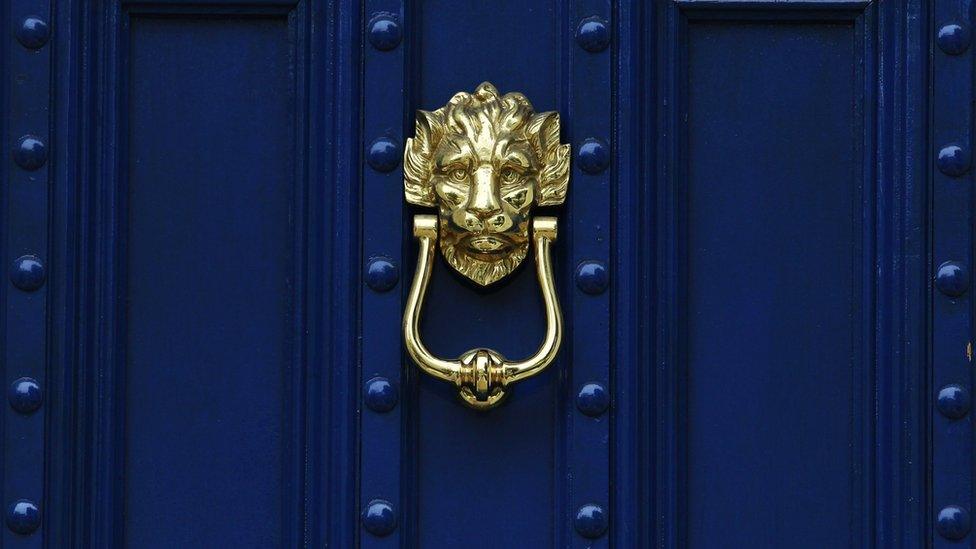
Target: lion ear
418,156
554,176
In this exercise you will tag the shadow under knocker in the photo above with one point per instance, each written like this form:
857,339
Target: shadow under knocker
485,161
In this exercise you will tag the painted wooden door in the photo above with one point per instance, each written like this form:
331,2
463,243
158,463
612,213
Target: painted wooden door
762,265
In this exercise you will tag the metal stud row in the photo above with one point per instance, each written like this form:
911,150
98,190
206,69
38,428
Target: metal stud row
590,78
381,273
27,271
952,438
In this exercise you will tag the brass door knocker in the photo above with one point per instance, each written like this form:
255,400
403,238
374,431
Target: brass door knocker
484,161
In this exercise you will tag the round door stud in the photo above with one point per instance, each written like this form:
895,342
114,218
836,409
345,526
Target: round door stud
953,160
383,154
591,521
30,153
384,31
953,522
953,401
593,34
23,517
953,38
382,274
25,395
952,279
380,395
27,273
594,156
593,399
379,518
33,33
592,277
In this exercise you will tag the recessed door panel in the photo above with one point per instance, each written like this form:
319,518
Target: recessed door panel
209,276
774,275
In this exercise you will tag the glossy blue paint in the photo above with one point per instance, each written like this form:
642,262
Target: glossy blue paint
593,156
239,316
950,307
381,274
23,517
593,34
383,154
953,38
380,395
952,278
780,190
30,153
25,395
953,522
379,518
26,244
592,277
593,399
33,33
27,273
591,521
953,401
953,160
384,31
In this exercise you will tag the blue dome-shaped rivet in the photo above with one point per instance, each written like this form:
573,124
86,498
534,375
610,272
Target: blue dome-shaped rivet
381,395
384,31
592,399
25,395
953,522
953,38
952,279
23,517
383,154
593,34
379,518
381,274
593,156
953,401
591,521
30,152
592,277
33,33
953,160
27,273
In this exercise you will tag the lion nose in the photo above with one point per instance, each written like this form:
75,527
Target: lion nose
484,199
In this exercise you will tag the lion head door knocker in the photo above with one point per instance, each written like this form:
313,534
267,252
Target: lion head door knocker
484,160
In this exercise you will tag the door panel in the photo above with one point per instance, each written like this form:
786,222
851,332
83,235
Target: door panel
788,275
210,308
774,272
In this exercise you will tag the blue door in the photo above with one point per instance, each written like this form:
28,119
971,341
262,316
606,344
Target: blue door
533,273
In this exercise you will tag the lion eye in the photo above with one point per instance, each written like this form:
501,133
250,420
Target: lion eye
509,175
459,174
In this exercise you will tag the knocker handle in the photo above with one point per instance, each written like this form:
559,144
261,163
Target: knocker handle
482,376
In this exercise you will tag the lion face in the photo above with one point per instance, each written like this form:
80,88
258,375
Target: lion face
484,161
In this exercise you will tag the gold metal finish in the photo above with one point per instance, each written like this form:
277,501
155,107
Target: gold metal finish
482,375
484,161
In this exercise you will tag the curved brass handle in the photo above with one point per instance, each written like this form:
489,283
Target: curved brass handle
482,375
